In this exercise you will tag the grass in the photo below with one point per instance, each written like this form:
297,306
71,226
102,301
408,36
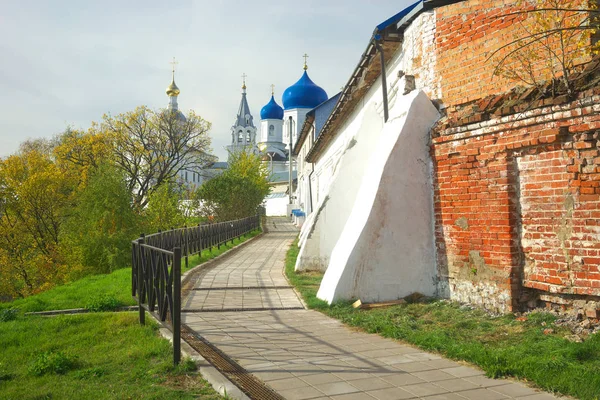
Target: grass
92,356
103,292
501,346
100,355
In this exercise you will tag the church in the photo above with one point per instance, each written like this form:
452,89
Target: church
278,133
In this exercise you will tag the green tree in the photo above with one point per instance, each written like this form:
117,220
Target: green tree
237,192
163,211
96,237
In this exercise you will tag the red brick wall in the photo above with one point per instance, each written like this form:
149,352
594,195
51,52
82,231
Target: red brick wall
467,34
517,205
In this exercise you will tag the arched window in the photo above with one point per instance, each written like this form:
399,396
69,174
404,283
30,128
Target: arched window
271,130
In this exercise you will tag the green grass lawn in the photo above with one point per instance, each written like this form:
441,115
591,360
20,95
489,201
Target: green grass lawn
101,355
92,356
501,346
112,289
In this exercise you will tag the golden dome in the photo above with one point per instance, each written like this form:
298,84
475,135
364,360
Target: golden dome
172,89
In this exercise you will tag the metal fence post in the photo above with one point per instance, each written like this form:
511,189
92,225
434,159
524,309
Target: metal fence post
140,280
176,305
186,241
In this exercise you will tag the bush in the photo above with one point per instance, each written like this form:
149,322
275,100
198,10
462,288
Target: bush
98,233
8,314
51,362
103,303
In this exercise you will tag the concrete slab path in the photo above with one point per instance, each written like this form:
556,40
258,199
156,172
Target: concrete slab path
245,307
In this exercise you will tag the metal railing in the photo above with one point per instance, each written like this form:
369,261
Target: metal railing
156,267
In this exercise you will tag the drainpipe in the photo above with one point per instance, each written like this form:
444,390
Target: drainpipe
383,77
290,160
312,170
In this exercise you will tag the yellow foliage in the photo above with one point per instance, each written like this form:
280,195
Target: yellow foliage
554,37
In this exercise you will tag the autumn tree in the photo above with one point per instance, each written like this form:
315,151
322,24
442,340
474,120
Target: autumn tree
553,37
83,151
152,147
35,194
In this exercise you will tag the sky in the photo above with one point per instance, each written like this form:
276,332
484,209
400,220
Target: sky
67,63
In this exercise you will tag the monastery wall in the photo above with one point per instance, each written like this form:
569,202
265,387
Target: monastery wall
517,188
517,203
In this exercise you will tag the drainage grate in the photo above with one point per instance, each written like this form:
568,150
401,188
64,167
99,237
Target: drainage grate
248,383
244,288
198,310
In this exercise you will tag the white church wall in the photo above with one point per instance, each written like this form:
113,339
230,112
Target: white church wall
418,54
298,115
386,249
333,195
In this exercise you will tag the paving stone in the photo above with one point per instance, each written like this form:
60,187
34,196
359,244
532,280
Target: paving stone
479,394
539,396
427,389
514,390
433,375
456,385
371,383
445,396
303,354
333,388
391,394
463,372
301,393
353,396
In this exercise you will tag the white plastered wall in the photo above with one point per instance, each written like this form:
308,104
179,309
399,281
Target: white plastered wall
386,249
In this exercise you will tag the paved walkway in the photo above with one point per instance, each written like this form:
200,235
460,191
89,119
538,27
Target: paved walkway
246,309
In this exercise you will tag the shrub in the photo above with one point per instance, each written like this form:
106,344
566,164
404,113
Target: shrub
8,314
51,362
103,303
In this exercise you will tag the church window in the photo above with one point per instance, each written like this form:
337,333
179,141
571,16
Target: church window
271,130
186,176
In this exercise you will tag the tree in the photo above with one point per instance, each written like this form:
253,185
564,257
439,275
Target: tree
238,191
83,152
163,211
554,37
35,195
96,237
152,147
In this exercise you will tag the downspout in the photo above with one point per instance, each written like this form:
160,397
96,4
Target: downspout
291,156
312,170
383,77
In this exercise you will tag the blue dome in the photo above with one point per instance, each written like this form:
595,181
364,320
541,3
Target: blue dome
271,111
303,94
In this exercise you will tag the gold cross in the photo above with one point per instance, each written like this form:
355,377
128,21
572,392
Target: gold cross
173,63
305,57
244,80
272,89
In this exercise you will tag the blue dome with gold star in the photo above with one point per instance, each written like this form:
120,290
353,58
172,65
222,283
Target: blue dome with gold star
272,110
303,94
